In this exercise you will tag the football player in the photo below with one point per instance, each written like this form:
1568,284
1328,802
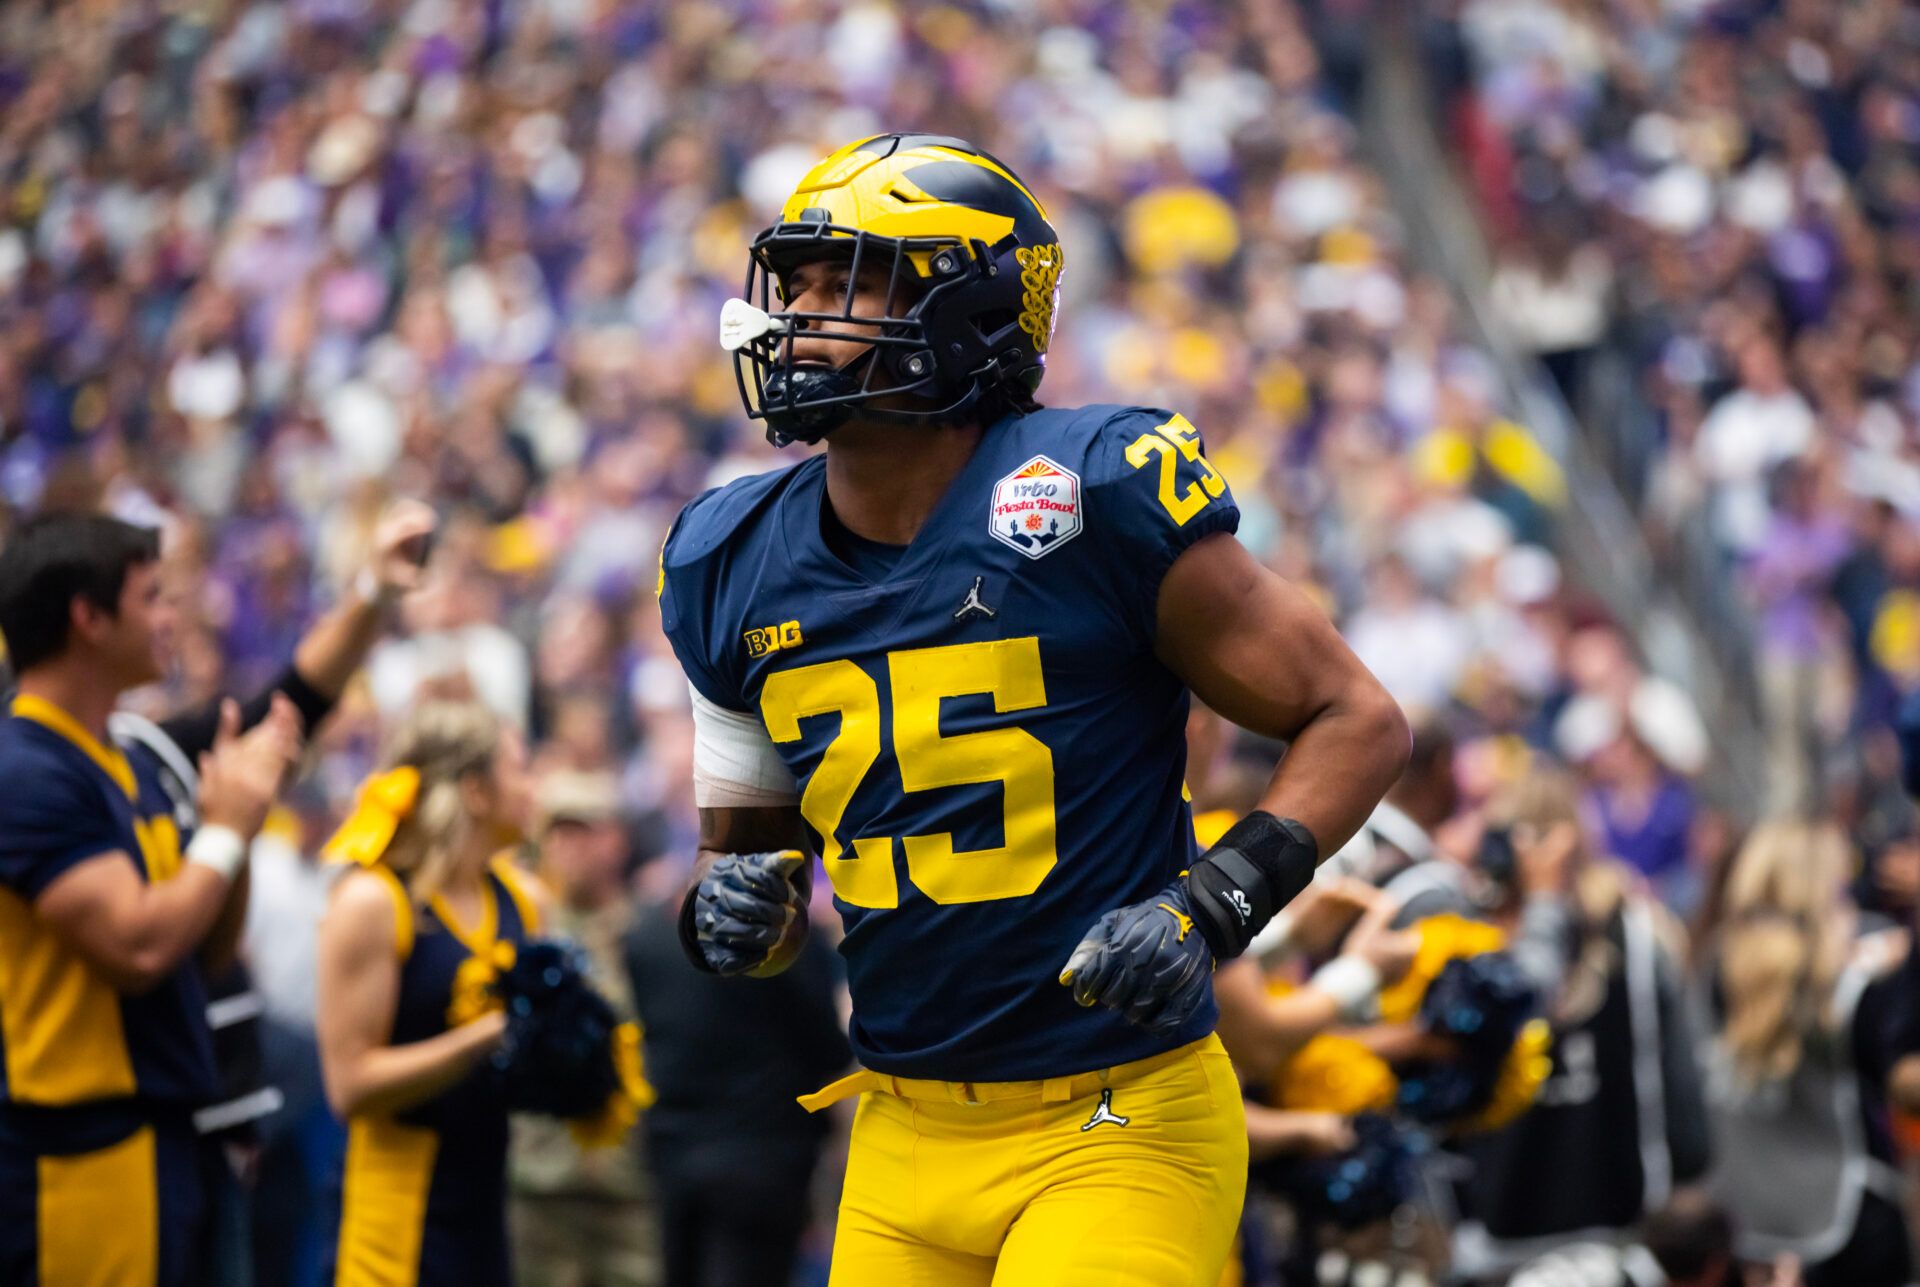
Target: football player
952,655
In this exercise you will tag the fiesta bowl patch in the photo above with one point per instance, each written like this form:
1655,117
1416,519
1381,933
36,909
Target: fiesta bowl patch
1036,508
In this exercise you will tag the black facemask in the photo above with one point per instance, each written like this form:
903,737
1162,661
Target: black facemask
809,387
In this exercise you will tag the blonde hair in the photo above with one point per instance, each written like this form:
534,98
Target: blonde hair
446,741
1786,938
1546,797
1541,798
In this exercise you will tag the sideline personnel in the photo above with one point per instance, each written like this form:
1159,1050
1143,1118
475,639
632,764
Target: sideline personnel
104,1047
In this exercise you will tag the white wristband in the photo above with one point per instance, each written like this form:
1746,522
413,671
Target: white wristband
221,848
1353,983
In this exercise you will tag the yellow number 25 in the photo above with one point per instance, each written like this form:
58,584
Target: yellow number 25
1173,442
1009,670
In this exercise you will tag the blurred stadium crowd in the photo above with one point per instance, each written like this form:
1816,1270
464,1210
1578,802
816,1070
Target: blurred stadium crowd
264,267
1726,206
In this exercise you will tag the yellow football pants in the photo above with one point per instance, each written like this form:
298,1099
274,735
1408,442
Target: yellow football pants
1132,1176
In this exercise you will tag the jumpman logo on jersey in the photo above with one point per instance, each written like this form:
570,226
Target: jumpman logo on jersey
973,603
1104,1113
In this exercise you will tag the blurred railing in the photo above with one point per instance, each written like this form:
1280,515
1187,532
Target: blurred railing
1683,617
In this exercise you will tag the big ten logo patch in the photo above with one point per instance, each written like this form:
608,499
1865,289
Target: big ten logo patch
1036,508
773,638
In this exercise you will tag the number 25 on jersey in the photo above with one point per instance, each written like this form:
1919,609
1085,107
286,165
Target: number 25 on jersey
1173,442
1009,670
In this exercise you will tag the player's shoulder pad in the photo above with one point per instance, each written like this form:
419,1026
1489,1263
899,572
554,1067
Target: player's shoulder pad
1150,489
1095,440
723,514
1090,440
1112,431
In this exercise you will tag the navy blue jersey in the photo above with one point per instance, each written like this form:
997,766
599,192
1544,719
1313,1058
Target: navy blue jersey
67,1036
989,752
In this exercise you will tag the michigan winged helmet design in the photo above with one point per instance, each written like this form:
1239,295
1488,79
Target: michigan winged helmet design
973,271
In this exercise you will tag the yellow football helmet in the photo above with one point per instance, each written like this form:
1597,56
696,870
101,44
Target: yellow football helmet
974,272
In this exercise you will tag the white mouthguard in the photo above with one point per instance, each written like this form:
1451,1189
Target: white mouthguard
741,324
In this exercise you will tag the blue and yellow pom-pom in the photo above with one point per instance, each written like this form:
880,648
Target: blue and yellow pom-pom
632,1096
1480,1004
566,1054
1335,1074
1527,1066
1462,986
1443,938
1362,1186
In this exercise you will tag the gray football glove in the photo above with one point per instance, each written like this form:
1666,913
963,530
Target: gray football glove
1147,961
747,913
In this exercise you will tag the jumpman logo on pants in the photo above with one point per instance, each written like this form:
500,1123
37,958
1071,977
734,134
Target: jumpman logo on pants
1105,1113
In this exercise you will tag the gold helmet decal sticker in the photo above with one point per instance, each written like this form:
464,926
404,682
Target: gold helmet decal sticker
1040,277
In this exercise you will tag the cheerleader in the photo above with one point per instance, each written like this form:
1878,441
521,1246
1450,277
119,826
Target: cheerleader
427,917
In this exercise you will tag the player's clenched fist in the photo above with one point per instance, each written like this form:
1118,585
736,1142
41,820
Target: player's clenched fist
1147,961
748,914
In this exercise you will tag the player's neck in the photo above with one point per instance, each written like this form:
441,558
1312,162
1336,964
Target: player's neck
883,481
71,687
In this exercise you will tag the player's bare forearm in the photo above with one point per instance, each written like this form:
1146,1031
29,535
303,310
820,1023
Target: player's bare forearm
748,831
1337,767
1264,655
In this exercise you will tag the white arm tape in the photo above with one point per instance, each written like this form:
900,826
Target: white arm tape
221,848
735,764
1353,983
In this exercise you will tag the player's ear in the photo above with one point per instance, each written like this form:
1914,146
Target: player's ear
87,621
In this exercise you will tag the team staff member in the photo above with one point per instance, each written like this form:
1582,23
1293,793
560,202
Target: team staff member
323,662
956,651
104,1042
584,1217
414,936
